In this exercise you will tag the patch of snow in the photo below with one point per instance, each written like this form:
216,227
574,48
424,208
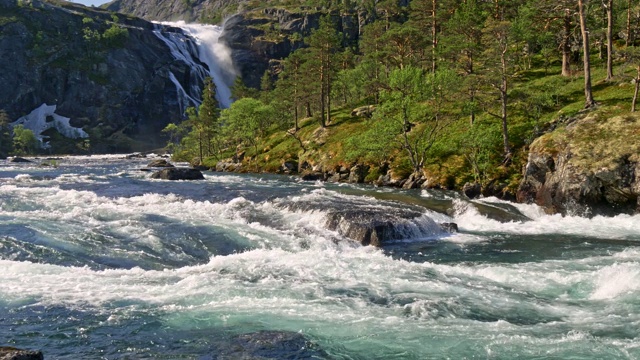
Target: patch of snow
37,122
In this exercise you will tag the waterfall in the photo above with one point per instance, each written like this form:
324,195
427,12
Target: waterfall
198,45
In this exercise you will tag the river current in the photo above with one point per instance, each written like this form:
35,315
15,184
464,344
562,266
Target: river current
97,260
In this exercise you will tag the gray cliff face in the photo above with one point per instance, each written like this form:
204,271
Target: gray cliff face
583,172
173,10
118,89
254,51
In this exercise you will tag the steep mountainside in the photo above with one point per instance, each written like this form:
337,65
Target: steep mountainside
110,74
172,10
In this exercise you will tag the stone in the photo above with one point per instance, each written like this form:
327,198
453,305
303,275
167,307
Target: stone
358,173
160,163
312,176
271,344
19,160
11,353
472,190
178,174
364,111
289,166
449,227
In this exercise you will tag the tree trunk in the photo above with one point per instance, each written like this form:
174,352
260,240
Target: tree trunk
504,87
609,6
630,39
635,91
322,96
434,35
588,94
565,46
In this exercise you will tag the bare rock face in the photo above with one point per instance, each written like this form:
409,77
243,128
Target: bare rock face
121,92
10,353
594,169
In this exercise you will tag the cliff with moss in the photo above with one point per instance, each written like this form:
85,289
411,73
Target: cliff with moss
108,73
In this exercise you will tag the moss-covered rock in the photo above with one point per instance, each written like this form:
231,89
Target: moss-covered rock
590,166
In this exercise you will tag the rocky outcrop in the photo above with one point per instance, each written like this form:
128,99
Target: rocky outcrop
10,353
118,89
178,174
593,168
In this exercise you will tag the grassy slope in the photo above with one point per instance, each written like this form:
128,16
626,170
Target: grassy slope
596,140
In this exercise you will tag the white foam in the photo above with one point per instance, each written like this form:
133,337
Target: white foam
617,280
621,226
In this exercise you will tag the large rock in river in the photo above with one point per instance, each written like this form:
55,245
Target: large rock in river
178,174
369,224
272,345
590,167
11,353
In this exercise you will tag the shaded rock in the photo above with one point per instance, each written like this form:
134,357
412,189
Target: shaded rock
358,173
312,176
272,345
289,166
160,163
414,181
472,190
10,353
364,111
178,174
449,227
19,160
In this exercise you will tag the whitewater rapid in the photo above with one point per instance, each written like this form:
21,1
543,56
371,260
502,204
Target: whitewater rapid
96,247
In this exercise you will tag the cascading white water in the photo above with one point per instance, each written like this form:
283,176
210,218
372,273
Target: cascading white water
200,44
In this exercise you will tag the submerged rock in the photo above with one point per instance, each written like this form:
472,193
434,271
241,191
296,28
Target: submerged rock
10,353
272,345
178,174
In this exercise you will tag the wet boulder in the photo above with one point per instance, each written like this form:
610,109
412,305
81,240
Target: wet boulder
272,345
11,353
160,163
19,160
178,174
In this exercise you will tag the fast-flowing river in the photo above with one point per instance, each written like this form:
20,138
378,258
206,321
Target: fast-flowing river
97,260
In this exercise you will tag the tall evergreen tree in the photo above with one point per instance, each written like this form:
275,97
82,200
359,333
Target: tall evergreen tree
324,42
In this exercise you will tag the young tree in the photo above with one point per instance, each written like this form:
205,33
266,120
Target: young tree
24,140
498,69
410,115
208,118
246,120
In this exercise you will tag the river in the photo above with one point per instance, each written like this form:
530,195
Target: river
97,260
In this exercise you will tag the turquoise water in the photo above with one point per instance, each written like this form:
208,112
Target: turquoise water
99,261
